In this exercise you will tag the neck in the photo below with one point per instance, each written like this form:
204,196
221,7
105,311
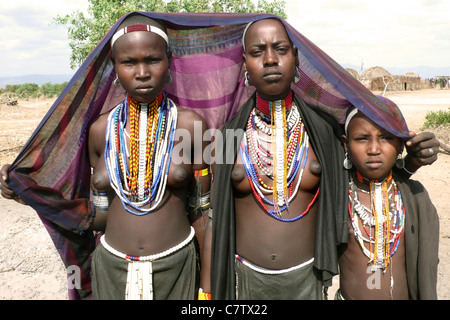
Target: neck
137,104
367,181
263,105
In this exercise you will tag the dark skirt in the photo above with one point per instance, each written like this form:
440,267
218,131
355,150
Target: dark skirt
173,277
297,283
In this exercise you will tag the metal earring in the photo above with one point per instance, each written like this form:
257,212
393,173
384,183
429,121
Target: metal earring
247,80
169,78
297,75
400,162
347,162
116,81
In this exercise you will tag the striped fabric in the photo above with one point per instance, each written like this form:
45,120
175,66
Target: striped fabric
52,172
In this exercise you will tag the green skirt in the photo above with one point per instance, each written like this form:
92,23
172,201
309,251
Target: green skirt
295,283
173,275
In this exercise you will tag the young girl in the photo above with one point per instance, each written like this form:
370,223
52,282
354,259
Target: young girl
392,250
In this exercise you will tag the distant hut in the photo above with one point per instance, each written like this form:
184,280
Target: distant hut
376,72
379,79
376,78
411,75
410,81
354,73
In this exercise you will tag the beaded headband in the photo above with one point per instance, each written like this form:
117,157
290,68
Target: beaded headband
245,33
139,27
349,117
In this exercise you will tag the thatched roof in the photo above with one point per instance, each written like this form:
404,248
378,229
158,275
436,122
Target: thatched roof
375,72
411,75
353,72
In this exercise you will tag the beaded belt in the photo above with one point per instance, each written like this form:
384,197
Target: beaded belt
139,276
270,271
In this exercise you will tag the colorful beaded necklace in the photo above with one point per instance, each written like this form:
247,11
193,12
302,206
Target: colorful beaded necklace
281,161
139,175
386,217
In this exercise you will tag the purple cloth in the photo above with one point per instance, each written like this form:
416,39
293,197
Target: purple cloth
52,172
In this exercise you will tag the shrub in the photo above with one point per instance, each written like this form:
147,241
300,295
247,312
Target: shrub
435,119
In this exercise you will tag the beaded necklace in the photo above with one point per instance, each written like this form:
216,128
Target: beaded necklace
139,175
286,154
386,216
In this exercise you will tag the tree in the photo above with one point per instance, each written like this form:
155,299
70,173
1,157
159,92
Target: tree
85,31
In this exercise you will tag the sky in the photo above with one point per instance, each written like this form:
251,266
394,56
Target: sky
387,33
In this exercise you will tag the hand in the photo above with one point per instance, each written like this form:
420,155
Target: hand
6,192
422,150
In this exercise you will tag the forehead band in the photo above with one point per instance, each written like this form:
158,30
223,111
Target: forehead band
139,27
245,33
349,118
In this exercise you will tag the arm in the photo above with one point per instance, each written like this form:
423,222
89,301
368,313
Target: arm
199,195
422,150
96,145
205,274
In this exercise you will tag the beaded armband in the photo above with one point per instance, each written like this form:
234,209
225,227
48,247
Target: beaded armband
201,173
100,200
203,295
198,201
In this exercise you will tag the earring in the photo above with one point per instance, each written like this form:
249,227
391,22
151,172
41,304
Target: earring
347,162
169,78
297,75
116,81
400,162
247,80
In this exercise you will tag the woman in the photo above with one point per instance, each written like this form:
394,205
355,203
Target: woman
140,187
274,243
144,218
141,60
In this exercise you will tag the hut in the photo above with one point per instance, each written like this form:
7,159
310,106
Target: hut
354,73
379,79
376,72
376,78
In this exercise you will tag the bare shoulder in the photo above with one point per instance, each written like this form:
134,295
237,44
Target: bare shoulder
183,112
99,124
189,119
96,133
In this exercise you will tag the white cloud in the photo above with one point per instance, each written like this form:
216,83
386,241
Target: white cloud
389,33
400,33
31,42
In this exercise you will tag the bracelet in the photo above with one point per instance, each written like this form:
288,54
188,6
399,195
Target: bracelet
100,200
201,173
200,202
203,295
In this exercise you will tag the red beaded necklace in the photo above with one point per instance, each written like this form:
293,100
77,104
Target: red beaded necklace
264,105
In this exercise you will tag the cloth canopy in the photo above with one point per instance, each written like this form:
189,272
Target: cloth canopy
52,172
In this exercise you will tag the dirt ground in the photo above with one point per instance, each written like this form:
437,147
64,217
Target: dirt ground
30,267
